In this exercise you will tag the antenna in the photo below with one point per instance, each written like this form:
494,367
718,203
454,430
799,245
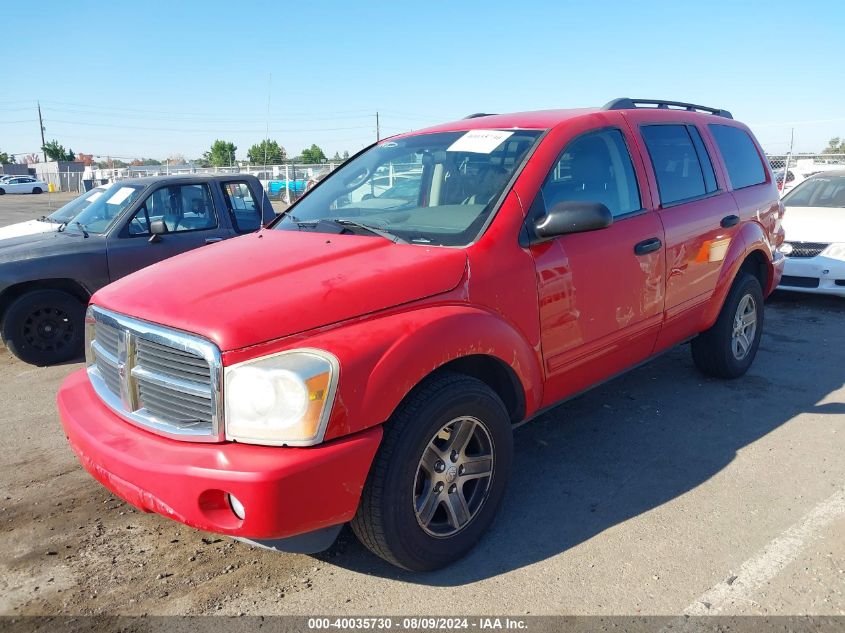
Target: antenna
266,144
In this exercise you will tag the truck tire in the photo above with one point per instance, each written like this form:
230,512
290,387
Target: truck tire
439,475
728,348
45,327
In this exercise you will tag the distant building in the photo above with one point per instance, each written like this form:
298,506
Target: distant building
63,175
85,159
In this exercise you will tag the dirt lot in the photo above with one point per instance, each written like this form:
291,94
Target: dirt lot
662,492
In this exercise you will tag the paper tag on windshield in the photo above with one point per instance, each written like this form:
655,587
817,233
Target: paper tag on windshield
94,196
479,141
120,195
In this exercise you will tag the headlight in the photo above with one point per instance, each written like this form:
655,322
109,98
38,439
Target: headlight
835,251
285,398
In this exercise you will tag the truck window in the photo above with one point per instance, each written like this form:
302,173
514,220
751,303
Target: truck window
742,160
243,208
676,165
595,167
182,207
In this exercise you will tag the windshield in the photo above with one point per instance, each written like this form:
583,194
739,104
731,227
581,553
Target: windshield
425,189
69,211
820,191
98,216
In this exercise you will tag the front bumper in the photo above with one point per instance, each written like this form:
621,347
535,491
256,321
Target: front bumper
817,274
285,491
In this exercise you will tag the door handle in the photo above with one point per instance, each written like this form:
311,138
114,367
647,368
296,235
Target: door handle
212,240
647,246
729,220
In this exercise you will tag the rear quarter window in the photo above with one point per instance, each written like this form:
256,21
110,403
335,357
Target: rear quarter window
745,168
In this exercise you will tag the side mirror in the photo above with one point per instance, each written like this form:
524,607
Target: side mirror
157,229
572,216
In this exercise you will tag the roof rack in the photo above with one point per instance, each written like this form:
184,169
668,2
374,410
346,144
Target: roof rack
478,114
624,103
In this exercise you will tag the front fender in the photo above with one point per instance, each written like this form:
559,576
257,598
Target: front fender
383,358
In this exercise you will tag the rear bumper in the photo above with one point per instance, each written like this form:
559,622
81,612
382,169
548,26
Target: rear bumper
817,274
284,491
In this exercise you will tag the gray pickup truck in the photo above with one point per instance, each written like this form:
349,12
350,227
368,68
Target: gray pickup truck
47,279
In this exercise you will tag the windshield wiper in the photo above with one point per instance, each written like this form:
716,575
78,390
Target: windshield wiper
372,229
82,228
47,218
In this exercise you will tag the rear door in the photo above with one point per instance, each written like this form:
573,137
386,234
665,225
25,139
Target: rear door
192,220
698,214
600,292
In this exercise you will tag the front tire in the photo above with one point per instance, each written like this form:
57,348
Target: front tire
728,348
439,475
37,190
45,327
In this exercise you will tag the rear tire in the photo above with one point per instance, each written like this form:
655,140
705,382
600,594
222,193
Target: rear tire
37,190
2,191
728,348
439,475
45,327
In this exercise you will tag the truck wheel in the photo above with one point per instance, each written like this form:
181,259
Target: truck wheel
44,327
728,348
439,475
36,190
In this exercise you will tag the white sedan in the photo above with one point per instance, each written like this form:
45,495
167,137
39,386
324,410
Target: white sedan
22,184
52,222
815,235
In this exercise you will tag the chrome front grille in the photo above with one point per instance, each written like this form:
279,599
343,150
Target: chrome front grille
158,378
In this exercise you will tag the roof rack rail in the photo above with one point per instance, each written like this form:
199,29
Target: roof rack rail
624,103
478,114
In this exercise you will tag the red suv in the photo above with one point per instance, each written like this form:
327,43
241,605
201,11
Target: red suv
366,357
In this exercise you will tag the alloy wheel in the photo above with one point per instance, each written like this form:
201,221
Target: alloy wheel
453,476
744,327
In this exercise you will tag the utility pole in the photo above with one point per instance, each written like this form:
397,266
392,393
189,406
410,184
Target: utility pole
41,126
378,131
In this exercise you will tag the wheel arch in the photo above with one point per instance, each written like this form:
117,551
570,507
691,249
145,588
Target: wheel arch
13,292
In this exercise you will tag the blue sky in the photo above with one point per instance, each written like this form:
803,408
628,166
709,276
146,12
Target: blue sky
156,78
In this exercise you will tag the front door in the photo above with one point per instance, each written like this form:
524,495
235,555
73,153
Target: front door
188,213
600,292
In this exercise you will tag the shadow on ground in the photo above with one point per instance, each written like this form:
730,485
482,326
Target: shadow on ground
640,441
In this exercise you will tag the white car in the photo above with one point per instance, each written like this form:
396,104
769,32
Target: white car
814,223
22,184
799,172
52,222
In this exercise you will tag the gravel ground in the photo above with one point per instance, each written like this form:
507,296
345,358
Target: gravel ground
661,492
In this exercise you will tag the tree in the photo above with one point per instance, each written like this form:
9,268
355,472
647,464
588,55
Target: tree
221,154
266,152
176,159
29,159
5,159
835,146
313,155
55,151
345,155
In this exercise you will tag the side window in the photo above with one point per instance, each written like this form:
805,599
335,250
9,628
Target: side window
740,154
703,159
244,210
675,161
595,167
181,207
